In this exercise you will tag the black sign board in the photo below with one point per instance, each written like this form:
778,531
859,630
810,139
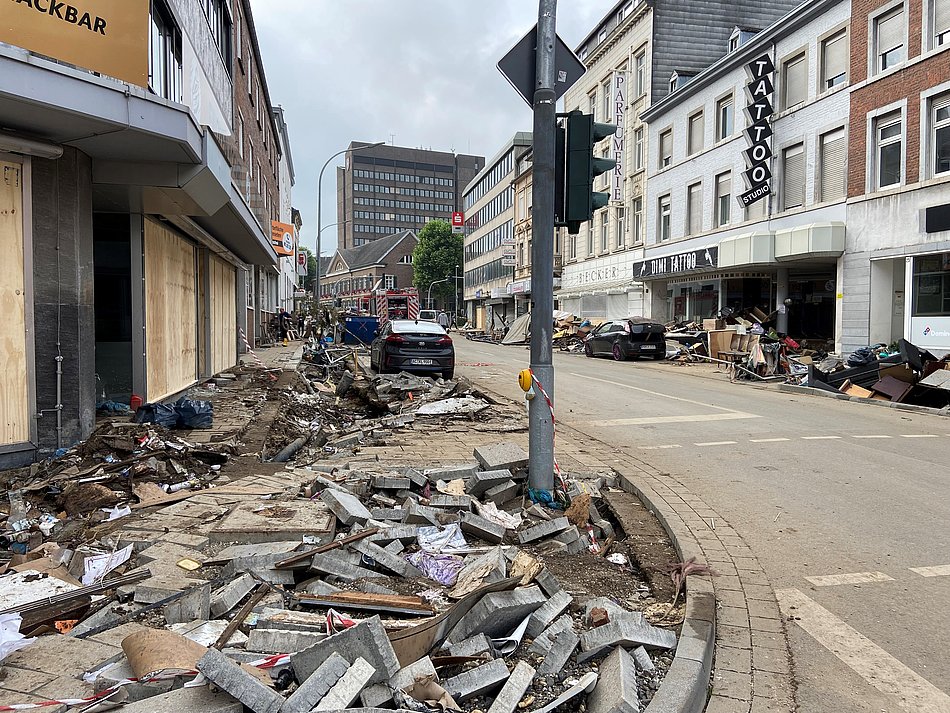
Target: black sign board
759,173
758,132
519,64
758,153
760,88
760,67
678,264
759,111
756,194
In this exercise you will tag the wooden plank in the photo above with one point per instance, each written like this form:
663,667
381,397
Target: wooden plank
14,395
222,280
361,601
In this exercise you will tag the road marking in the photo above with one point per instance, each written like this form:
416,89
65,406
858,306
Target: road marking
736,416
872,436
834,580
657,448
939,571
716,443
911,691
769,440
820,438
919,435
657,393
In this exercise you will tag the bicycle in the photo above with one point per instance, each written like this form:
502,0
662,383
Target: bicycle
317,354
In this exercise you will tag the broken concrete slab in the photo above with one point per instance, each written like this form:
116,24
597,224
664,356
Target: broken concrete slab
379,695
458,472
559,653
481,528
616,689
282,641
368,639
544,529
442,501
186,700
548,582
277,520
332,563
247,555
627,632
642,658
383,482
500,494
542,644
477,681
498,613
196,604
406,534
549,611
501,456
417,514
386,559
514,689
313,690
347,508
348,688
230,595
230,677
485,480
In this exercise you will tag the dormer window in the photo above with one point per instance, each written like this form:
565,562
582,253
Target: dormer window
602,35
739,37
673,80
678,79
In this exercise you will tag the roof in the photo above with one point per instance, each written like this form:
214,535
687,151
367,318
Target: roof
374,252
325,261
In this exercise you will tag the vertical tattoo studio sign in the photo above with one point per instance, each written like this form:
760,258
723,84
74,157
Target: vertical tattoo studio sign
619,96
759,131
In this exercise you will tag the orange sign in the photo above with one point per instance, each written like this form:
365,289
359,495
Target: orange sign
107,36
282,238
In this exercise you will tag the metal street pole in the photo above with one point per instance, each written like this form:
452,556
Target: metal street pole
429,293
541,419
316,283
455,285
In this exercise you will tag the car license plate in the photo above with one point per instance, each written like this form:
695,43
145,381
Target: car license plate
649,347
422,362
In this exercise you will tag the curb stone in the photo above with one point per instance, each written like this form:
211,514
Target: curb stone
810,391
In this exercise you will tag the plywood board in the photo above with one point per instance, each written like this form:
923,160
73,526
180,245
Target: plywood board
221,277
171,312
14,394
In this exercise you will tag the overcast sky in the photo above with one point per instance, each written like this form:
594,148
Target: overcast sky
420,73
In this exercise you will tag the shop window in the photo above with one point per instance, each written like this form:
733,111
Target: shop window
663,220
794,81
694,140
723,198
932,285
889,150
833,166
941,135
694,209
666,148
889,45
834,61
725,115
793,178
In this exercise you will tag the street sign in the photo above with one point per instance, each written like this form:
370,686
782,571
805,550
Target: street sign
458,222
508,261
518,66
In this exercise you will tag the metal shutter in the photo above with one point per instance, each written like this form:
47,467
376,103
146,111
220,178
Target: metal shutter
836,58
890,32
696,127
695,209
795,81
834,156
794,188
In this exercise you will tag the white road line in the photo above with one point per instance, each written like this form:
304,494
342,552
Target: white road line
834,580
768,440
939,571
872,436
657,448
910,690
919,435
657,393
820,438
716,443
737,416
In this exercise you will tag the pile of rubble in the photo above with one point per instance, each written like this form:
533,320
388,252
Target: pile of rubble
334,587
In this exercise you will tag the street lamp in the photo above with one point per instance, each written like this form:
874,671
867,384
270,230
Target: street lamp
429,293
316,283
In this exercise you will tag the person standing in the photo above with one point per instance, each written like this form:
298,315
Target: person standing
443,320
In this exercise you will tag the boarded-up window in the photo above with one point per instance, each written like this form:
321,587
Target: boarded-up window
223,315
833,165
694,209
794,177
695,139
15,401
795,78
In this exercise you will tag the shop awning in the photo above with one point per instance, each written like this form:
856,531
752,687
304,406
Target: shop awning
614,287
747,249
810,241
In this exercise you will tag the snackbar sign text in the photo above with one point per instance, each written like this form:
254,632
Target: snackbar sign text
759,131
106,36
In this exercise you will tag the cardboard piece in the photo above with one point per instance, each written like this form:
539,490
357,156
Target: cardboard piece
157,650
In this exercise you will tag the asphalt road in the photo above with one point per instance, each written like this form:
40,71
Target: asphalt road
847,507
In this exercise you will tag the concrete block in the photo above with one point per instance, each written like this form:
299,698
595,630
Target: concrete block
477,681
501,456
419,514
195,542
450,502
406,676
367,639
614,610
627,632
376,696
549,611
196,604
482,528
514,689
497,614
486,480
347,508
501,494
391,514
231,594
416,477
616,690
406,534
544,529
548,582
187,700
282,641
315,688
605,526
349,687
457,472
472,646
376,588
396,547
349,441
642,659
333,563
383,482
559,653
386,559
543,643
230,677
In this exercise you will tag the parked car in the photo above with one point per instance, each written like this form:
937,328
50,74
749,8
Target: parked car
428,315
623,339
413,345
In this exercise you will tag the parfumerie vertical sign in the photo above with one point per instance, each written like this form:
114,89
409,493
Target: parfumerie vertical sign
619,92
105,36
759,131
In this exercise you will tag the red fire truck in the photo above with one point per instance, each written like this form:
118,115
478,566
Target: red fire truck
385,304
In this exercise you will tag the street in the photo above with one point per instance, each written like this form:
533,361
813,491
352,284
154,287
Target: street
844,504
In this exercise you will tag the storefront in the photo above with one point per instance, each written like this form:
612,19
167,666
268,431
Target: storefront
927,322
604,288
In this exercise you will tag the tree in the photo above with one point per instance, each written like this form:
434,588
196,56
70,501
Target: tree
435,258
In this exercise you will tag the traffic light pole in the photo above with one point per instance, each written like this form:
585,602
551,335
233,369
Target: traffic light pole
540,409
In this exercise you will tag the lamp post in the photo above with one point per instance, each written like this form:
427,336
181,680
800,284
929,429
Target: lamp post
455,285
316,283
429,293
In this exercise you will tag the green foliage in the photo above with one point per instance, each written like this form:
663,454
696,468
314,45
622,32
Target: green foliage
436,256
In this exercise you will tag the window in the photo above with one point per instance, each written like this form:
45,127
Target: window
590,238
605,102
621,227
793,180
725,115
932,285
666,148
637,221
573,242
889,39
832,169
794,81
723,198
734,42
694,209
389,281
602,35
638,149
941,22
673,83
663,222
604,232
941,135
834,61
592,103
756,211
239,47
694,142
219,18
641,63
240,135
164,54
889,149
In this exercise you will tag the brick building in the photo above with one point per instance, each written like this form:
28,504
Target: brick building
383,264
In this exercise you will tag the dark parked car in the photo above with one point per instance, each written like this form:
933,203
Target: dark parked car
413,345
622,339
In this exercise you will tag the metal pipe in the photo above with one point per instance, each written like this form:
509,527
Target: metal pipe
540,411
290,450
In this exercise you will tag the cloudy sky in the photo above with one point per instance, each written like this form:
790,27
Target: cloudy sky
420,73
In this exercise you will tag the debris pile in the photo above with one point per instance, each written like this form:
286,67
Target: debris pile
331,587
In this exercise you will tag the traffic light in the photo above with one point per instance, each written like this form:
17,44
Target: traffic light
577,167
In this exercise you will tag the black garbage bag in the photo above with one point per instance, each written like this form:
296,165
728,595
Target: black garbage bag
194,414
159,414
862,357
